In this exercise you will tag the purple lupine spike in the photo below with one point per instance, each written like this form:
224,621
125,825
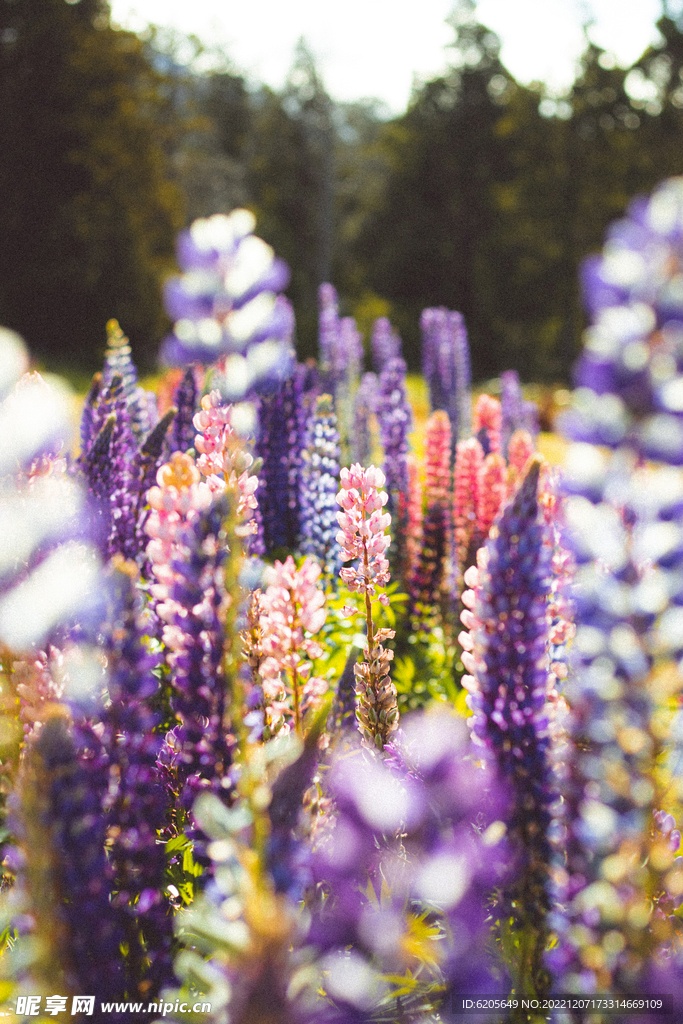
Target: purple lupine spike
426,790
186,400
512,407
395,418
363,407
88,417
196,636
143,471
279,444
139,807
384,342
506,654
319,487
118,362
76,779
327,332
446,367
225,303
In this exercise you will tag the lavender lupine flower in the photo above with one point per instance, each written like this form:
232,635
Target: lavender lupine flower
118,362
186,399
395,418
362,444
328,321
225,304
362,536
427,584
379,887
137,803
72,776
319,487
281,436
506,653
446,367
384,343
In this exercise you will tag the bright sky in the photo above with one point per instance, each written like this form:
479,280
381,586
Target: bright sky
376,48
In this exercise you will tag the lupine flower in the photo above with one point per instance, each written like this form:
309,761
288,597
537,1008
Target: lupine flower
223,459
361,535
225,303
385,343
118,362
469,458
395,419
328,328
426,591
319,486
446,367
506,654
414,519
279,444
291,607
520,449
486,423
182,432
491,492
363,408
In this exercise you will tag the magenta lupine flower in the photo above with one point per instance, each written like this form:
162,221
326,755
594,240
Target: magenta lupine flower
362,537
487,423
427,586
491,492
291,610
469,458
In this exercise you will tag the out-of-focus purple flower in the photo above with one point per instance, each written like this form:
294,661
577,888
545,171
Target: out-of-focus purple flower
506,654
225,303
363,408
319,486
446,367
279,444
186,398
384,343
395,418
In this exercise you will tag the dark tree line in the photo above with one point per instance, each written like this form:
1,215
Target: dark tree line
483,196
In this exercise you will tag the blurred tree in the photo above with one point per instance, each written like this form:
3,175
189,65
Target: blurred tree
89,209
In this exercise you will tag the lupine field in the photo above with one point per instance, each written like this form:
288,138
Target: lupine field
300,725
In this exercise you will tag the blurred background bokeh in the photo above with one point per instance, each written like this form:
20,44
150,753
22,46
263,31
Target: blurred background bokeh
483,195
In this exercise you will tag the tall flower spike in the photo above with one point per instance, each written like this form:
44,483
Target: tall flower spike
414,520
395,418
491,492
486,423
292,610
225,306
469,458
279,444
118,362
362,536
223,460
446,367
384,343
319,486
182,432
427,591
506,654
362,443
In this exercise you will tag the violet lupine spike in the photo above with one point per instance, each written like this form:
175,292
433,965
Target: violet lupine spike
75,781
347,364
195,638
512,407
446,367
505,652
328,305
427,792
118,361
139,807
319,487
429,578
225,303
395,418
186,399
362,536
279,444
362,445
90,425
385,343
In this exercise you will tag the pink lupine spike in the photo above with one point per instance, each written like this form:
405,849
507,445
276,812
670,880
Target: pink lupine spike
520,450
487,416
492,492
469,458
414,525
